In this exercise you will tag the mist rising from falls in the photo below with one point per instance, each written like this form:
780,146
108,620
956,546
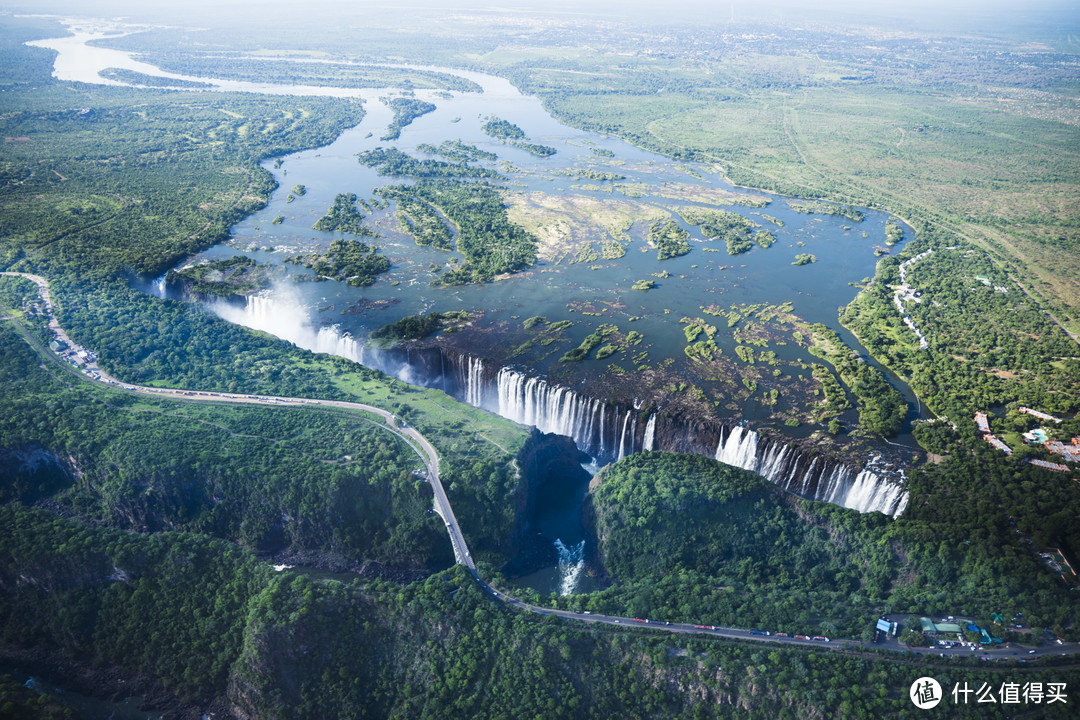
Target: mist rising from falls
290,321
571,563
605,431
157,287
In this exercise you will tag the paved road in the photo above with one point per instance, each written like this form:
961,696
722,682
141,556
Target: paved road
417,441
430,457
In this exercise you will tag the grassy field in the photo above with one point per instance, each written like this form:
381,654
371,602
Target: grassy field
989,158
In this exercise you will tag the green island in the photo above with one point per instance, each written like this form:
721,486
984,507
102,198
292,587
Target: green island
405,111
238,275
350,260
148,537
669,239
344,216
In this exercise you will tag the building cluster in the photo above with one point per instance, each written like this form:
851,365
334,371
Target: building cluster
1070,452
906,292
984,428
1048,465
1041,415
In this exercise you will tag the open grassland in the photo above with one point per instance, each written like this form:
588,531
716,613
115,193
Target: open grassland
996,162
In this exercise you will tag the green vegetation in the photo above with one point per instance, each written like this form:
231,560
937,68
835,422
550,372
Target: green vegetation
343,216
502,129
540,151
532,322
406,110
734,229
131,77
491,244
237,275
669,239
591,341
391,161
764,238
882,409
299,190
835,401
686,538
804,259
823,208
510,133
988,348
415,327
457,151
348,260
643,285
893,232
420,219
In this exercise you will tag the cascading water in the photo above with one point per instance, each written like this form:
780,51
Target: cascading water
650,434
551,408
559,410
571,563
814,478
474,382
158,287
622,437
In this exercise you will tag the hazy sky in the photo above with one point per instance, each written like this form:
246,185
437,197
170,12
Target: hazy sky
945,15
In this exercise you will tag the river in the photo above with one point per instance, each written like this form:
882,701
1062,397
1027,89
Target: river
562,200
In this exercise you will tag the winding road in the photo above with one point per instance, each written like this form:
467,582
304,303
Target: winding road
430,457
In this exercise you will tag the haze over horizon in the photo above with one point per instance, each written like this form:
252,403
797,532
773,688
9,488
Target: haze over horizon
948,16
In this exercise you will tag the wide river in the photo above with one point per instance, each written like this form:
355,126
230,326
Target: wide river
570,199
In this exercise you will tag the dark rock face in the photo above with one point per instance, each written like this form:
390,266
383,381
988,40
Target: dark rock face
608,430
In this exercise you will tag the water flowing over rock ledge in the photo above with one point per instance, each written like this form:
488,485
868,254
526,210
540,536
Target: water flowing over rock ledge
604,429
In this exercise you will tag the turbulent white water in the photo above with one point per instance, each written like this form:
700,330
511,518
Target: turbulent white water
865,491
571,563
650,434
159,287
550,408
289,321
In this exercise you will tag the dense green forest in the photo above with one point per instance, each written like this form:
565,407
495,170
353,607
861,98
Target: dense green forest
686,538
145,549
210,621
344,216
350,260
406,109
989,344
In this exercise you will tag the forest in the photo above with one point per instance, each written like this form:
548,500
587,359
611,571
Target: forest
132,562
684,537
350,260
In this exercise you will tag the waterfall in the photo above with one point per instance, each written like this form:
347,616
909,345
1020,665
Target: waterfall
571,563
560,410
740,449
290,322
551,408
474,382
650,434
813,478
622,438
158,287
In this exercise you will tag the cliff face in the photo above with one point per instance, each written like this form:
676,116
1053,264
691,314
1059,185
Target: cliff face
544,456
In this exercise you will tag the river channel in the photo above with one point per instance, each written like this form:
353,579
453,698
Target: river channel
594,191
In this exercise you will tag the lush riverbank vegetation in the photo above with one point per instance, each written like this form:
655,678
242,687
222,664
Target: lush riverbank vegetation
439,647
348,260
689,539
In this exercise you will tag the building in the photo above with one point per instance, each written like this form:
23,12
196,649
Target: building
998,444
982,422
1040,415
1048,465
